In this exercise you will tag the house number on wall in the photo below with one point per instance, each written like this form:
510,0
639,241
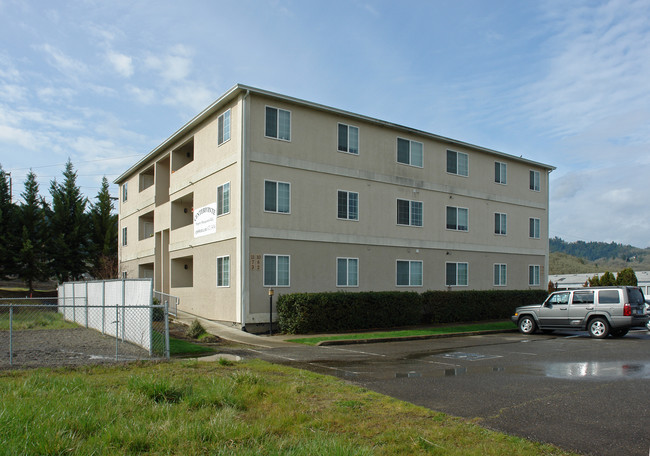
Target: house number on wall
256,262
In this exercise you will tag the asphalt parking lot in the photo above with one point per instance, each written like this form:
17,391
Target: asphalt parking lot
585,395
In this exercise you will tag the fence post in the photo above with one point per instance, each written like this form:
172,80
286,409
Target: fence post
123,306
167,329
86,300
117,331
74,304
11,327
103,305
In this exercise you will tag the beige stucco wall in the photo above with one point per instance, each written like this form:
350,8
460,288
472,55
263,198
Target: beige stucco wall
312,234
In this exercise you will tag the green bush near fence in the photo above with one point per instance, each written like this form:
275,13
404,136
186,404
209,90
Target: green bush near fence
304,313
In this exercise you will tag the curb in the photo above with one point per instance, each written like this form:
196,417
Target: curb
410,338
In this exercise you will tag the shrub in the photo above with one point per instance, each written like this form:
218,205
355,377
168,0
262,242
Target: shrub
302,313
195,330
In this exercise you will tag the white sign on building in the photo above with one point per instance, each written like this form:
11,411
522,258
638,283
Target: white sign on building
205,220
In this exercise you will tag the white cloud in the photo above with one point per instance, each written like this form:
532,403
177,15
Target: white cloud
173,66
65,64
122,64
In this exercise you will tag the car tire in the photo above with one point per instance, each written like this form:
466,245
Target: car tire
527,325
598,328
619,332
647,325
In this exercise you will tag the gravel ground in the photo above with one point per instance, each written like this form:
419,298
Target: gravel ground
64,347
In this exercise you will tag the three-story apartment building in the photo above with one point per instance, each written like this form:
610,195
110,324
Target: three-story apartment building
263,191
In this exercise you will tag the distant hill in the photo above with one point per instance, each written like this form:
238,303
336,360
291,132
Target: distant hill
577,257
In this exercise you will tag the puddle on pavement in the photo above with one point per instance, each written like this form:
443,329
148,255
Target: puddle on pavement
598,370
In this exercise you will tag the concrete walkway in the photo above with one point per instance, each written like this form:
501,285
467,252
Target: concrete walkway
233,334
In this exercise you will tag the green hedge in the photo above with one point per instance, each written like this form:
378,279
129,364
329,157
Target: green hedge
303,313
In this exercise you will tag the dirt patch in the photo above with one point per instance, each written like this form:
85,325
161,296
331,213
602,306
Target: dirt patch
65,347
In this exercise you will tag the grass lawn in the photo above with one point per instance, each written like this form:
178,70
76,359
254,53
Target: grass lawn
252,408
182,347
34,318
409,332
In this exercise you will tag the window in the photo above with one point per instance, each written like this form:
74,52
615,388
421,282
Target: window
409,273
124,236
583,297
223,199
347,272
457,218
223,130
278,124
223,271
456,274
500,274
276,270
457,163
348,205
348,139
409,212
125,190
500,173
277,197
608,297
500,223
533,275
533,230
409,152
534,180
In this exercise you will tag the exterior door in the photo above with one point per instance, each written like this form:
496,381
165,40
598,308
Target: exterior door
555,310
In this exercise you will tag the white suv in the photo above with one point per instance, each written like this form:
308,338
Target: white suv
599,310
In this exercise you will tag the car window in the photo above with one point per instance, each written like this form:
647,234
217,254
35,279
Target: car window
583,297
608,297
559,298
635,295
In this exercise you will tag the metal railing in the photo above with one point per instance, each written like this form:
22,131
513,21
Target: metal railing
172,301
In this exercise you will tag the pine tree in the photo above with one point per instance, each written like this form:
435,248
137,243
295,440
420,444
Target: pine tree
627,277
103,238
31,259
8,228
69,228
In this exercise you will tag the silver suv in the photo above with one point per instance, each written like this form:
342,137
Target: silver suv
599,310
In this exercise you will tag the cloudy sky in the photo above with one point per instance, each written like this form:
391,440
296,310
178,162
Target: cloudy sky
564,83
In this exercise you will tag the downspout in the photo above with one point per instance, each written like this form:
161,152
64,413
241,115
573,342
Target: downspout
548,226
243,263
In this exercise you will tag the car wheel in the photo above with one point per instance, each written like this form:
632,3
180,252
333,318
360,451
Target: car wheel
527,325
647,325
619,332
598,328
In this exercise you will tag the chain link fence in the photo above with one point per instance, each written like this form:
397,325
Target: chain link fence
47,332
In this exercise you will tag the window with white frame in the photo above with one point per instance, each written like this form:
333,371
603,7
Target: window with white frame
534,180
223,199
409,152
500,275
276,270
457,218
124,236
500,223
533,275
409,212
277,123
347,272
500,173
125,191
348,205
457,163
456,274
223,127
277,197
223,271
533,230
409,273
348,139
